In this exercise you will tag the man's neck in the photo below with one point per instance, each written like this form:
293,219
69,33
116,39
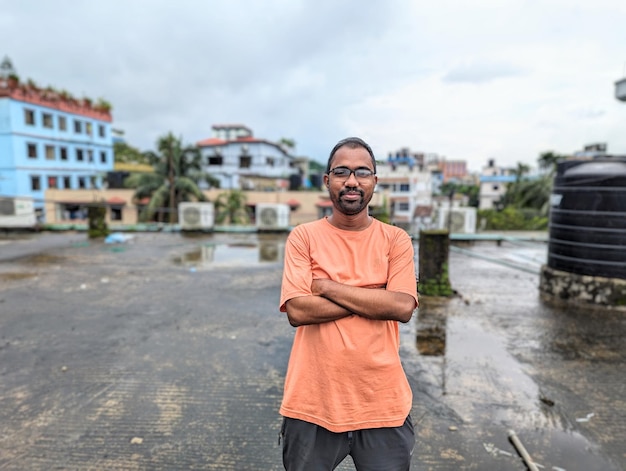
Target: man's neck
356,222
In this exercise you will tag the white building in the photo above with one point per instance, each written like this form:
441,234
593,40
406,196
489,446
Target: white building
493,183
241,161
409,189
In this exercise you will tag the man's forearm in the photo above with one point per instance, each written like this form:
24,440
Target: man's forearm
371,302
307,310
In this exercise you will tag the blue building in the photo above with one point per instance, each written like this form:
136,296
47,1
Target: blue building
50,140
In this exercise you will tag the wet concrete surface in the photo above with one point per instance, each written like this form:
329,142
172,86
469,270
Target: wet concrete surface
168,352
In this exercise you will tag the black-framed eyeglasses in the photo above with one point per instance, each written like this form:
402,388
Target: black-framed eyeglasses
361,173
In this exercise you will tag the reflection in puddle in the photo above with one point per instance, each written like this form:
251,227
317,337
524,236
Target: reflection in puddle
230,255
469,368
41,259
16,276
476,373
430,337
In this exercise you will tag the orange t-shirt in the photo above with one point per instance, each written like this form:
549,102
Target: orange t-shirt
346,375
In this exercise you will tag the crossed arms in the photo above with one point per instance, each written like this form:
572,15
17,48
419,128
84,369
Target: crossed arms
331,301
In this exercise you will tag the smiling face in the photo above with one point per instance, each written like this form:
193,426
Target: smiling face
351,195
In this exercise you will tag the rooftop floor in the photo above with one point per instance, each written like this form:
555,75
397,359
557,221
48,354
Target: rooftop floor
168,352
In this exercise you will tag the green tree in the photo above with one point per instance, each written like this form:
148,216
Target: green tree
176,178
511,218
230,208
515,190
548,160
127,154
382,212
471,191
288,143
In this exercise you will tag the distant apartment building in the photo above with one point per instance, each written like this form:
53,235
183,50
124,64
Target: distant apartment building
241,161
50,140
446,171
493,184
408,187
453,170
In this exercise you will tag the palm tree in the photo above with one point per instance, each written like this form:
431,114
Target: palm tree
287,143
177,174
525,193
230,207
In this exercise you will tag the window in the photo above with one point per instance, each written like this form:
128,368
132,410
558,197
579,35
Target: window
496,187
62,123
35,183
47,120
78,126
82,183
245,161
269,161
103,157
67,183
63,152
79,155
31,150
29,116
93,182
88,128
52,182
116,213
90,155
404,187
403,206
216,160
50,152
101,130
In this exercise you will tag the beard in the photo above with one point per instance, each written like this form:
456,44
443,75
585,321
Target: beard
350,208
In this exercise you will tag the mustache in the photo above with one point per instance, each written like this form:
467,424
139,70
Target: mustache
352,190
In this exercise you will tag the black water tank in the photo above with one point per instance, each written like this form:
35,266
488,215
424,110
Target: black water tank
588,218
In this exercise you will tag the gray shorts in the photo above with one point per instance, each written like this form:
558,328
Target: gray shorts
309,447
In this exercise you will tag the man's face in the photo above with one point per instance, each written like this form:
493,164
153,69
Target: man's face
351,195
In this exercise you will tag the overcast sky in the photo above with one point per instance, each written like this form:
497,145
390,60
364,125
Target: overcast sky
468,80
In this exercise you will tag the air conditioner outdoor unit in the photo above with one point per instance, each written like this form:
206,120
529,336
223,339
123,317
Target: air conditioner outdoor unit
272,216
460,220
17,212
195,216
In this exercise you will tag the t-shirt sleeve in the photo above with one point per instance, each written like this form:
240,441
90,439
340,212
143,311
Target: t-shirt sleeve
297,273
401,276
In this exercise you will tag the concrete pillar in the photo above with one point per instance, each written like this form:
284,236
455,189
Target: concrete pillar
434,250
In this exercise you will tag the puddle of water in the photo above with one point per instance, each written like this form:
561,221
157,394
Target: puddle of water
41,258
229,255
16,276
472,370
481,373
561,450
469,368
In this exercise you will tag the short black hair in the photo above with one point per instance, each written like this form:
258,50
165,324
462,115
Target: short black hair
352,143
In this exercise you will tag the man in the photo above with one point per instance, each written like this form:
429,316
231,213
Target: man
348,280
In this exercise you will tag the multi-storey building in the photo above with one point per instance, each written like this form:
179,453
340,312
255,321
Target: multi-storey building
453,170
493,184
241,161
408,188
50,140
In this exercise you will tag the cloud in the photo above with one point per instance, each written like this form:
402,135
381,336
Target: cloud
477,72
502,79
